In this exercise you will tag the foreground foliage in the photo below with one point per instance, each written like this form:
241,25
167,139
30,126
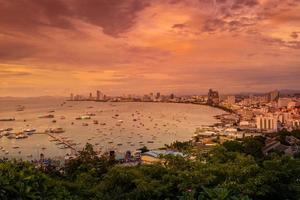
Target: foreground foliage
236,170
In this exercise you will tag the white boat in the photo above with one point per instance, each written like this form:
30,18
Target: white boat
29,130
21,136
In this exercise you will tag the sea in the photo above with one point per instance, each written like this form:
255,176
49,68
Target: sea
121,126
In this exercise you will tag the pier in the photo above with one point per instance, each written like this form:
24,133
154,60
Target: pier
61,141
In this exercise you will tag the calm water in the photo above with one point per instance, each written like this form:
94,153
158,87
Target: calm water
160,123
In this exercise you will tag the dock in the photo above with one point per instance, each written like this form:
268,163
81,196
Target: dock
61,140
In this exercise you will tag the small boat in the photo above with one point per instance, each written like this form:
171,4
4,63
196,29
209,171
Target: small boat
6,129
85,124
20,108
95,122
83,117
21,136
55,130
90,114
15,147
29,130
7,119
46,116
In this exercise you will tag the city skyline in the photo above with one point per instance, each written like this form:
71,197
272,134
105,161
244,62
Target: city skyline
135,47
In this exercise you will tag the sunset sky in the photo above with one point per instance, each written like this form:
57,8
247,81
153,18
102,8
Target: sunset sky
54,47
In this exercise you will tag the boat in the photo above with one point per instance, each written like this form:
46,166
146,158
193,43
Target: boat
16,147
47,116
90,114
85,124
83,117
96,122
6,129
29,130
7,119
20,108
21,136
103,124
55,130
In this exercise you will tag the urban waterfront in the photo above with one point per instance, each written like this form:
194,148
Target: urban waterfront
118,126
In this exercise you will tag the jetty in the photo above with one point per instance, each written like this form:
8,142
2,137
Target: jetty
62,141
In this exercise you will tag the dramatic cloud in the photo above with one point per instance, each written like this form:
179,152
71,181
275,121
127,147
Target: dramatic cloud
138,46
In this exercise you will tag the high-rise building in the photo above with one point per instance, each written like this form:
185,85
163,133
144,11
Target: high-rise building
90,96
230,100
267,123
99,95
72,97
273,96
157,95
213,97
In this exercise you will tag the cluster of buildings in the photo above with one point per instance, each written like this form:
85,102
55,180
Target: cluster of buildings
98,97
270,112
262,112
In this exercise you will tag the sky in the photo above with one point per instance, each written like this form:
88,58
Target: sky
55,47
